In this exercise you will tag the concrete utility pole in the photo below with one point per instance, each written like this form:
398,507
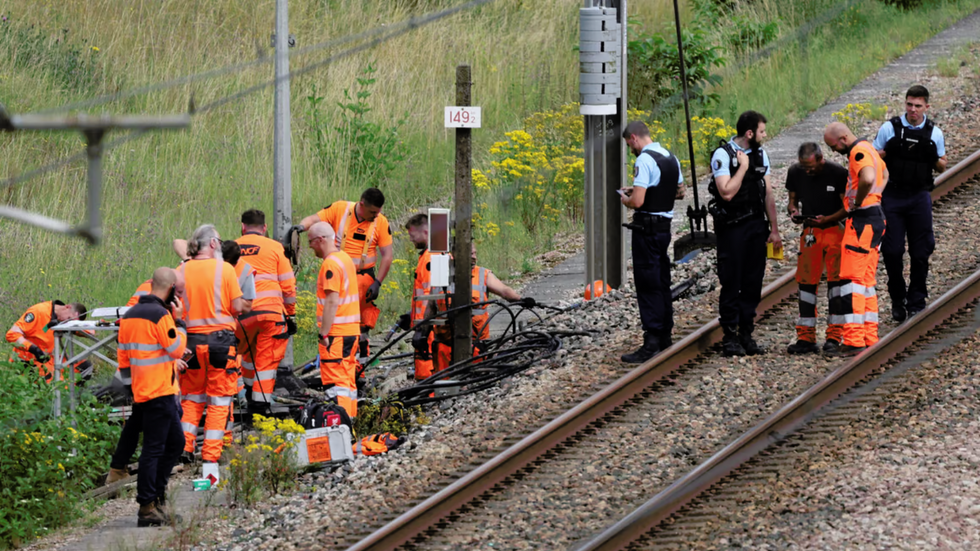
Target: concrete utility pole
282,186
602,85
462,296
94,128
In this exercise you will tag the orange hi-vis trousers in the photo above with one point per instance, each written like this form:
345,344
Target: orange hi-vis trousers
261,353
819,247
858,266
338,371
423,360
209,383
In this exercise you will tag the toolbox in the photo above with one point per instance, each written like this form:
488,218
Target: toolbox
324,445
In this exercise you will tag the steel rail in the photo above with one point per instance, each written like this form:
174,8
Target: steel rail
427,514
800,410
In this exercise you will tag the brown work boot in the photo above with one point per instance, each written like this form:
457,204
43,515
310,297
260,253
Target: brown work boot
115,475
172,518
150,515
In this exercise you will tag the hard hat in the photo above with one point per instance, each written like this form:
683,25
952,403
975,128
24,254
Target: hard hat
596,289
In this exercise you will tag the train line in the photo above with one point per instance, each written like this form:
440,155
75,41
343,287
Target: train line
571,447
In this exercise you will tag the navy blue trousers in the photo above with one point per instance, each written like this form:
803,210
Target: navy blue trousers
129,440
908,216
163,440
651,276
741,268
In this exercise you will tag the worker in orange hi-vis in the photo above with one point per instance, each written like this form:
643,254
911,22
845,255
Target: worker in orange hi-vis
338,317
265,331
212,299
34,342
863,231
482,283
364,234
418,233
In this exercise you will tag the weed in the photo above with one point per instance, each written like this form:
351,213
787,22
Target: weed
264,463
856,115
387,414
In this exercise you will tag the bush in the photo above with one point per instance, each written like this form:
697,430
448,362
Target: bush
46,465
655,74
387,414
264,463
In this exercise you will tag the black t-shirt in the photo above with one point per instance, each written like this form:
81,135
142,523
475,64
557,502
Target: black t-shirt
820,193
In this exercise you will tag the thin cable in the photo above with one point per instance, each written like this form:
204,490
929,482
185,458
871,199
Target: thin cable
410,23
405,27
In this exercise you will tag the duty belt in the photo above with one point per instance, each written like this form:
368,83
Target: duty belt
369,271
649,223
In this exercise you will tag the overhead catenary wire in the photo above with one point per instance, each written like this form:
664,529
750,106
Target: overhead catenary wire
387,33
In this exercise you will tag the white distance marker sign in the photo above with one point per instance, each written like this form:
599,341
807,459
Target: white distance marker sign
463,117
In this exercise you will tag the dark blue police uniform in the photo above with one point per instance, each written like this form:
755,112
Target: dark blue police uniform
911,153
741,230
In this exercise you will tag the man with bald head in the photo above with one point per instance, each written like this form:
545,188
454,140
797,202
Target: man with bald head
152,341
338,317
863,231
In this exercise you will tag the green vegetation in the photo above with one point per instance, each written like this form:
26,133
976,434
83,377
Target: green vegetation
264,464
46,463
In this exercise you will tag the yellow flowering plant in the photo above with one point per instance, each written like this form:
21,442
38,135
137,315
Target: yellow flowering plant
264,462
856,115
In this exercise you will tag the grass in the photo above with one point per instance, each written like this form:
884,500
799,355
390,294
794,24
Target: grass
164,185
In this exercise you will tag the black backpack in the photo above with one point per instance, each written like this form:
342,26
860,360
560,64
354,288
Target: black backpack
316,415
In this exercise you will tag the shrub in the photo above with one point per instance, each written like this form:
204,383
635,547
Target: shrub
655,74
386,414
747,34
264,463
46,464
856,115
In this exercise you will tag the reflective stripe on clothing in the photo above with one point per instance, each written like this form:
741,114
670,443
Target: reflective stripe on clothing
861,155
338,275
275,282
810,298
210,289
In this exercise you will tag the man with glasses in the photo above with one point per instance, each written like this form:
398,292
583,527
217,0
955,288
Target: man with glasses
212,298
913,148
819,185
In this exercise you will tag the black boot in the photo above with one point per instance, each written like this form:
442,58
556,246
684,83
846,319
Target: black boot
730,345
651,346
748,343
665,340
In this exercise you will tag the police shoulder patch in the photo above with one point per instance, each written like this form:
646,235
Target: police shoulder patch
329,274
29,317
859,156
172,333
716,164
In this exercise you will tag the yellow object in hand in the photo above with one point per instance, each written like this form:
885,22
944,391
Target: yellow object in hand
776,254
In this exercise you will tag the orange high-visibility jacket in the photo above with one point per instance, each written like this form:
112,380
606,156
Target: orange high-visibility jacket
35,326
337,274
211,286
423,286
481,314
360,240
275,284
141,291
863,154
149,342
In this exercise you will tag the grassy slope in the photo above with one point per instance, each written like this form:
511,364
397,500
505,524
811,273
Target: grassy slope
164,185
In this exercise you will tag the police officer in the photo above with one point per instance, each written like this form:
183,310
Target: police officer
742,199
656,183
912,147
819,185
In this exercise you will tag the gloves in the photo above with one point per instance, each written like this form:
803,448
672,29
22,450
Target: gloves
298,228
39,354
291,328
420,340
404,322
373,290
528,302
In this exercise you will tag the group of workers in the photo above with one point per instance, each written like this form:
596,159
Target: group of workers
217,326
880,201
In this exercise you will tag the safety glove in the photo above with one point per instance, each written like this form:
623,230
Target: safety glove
373,291
528,302
420,340
291,327
404,322
39,354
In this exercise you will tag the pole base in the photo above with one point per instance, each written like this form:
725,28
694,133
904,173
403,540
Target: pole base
694,241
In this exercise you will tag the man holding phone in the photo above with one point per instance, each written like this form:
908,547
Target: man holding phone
820,186
657,181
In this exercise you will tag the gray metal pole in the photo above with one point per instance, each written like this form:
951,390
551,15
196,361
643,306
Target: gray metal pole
94,151
282,187
462,320
687,111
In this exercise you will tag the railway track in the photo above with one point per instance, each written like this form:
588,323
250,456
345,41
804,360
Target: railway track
552,456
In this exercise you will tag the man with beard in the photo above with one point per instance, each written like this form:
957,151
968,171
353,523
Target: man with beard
657,181
742,200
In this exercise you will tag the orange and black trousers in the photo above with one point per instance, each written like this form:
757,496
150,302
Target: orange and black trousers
209,383
858,267
819,248
338,371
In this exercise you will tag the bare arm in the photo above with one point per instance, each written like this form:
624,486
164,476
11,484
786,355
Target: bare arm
728,186
387,255
246,307
826,221
866,179
777,242
180,247
793,208
329,312
940,164
309,221
498,288
238,306
633,197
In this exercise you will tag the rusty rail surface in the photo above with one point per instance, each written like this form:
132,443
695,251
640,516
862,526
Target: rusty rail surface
427,514
800,410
